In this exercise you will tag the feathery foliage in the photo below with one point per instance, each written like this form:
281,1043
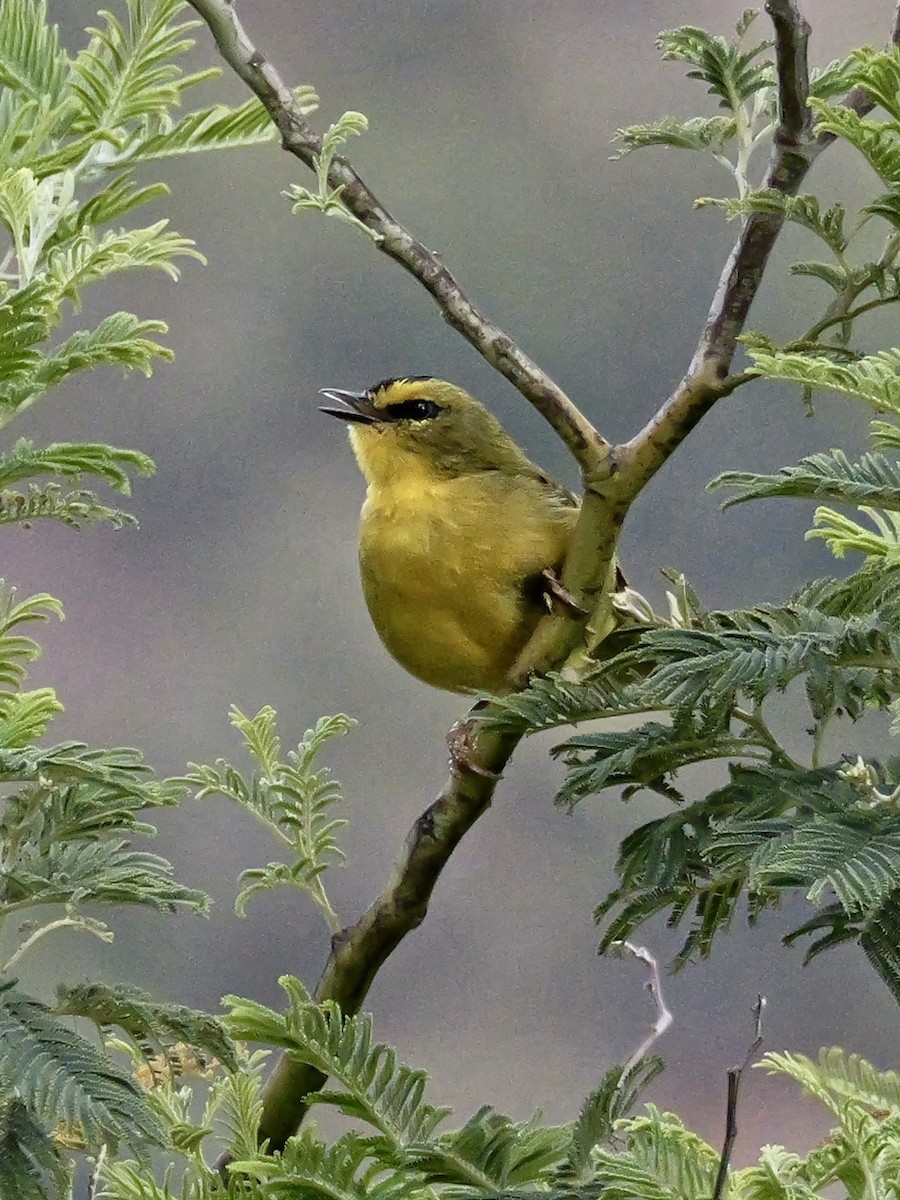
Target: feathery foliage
61,1077
31,1165
327,199
73,126
291,798
147,1022
488,1154
397,1149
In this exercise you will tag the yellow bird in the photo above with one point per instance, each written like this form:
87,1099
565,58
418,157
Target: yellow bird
460,535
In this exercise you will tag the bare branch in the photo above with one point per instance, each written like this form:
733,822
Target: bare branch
791,38
734,1083
664,1016
582,439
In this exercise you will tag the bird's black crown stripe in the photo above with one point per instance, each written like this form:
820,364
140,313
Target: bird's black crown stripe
386,383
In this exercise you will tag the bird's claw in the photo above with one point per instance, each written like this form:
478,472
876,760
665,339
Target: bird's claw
460,743
553,591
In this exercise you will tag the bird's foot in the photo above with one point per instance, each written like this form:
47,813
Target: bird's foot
461,744
553,591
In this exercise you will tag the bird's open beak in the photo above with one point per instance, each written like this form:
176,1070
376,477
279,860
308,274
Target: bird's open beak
355,406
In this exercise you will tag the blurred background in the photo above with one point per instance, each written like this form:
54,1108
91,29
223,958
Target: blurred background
490,137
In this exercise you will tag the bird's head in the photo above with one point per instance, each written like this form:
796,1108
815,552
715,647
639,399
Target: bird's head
417,426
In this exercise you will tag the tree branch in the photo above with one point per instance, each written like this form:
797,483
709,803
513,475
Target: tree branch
734,1085
793,151
582,439
612,475
358,952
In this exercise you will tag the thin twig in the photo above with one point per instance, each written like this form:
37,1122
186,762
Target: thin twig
62,923
734,1085
664,1016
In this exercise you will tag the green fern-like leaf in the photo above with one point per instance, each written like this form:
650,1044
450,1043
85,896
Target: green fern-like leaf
31,59
804,210
328,199
146,1020
314,1170
119,195
49,502
550,701
377,1089
876,141
841,534
646,757
837,1076
732,73
613,1100
885,434
873,378
759,651
293,799
839,277
887,206
235,1101
873,479
74,460
619,1177
216,128
878,73
60,1076
491,1153
31,1167
16,650
105,872
128,71
120,338
880,940
680,1160
87,258
700,133
855,857
834,79
25,716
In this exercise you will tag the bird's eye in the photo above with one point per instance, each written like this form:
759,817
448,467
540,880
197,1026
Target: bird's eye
415,410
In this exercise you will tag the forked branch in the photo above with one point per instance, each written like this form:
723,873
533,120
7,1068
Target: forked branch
613,475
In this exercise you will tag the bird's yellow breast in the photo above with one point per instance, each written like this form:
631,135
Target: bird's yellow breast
446,564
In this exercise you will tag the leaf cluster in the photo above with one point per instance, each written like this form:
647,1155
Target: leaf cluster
703,685
291,797
67,821
73,129
398,1145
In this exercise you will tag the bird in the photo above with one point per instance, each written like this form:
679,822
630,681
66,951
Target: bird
461,535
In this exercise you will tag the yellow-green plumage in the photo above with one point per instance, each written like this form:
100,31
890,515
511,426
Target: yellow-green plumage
456,527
